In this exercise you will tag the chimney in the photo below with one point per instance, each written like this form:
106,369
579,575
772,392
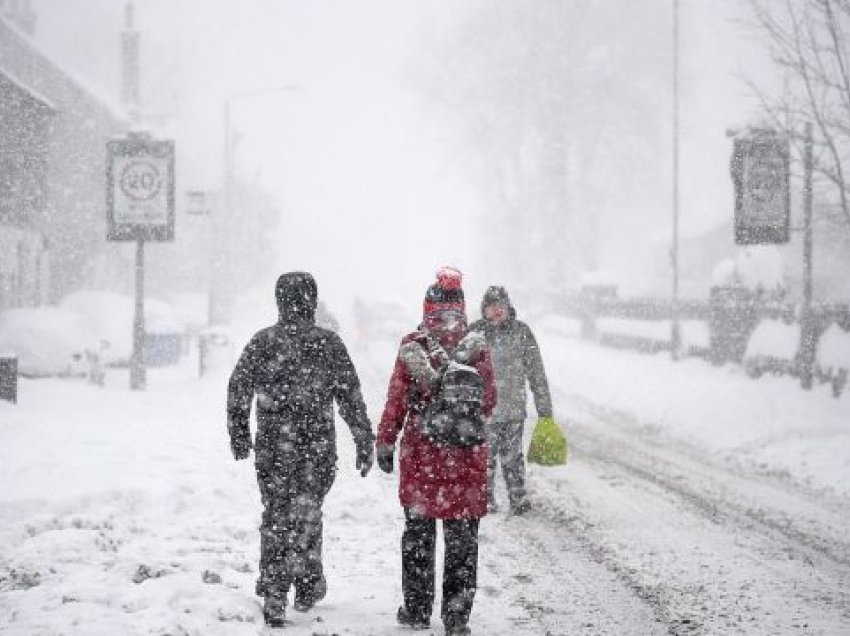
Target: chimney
19,13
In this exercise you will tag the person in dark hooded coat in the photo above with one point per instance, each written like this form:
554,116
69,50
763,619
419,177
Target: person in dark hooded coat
296,370
516,361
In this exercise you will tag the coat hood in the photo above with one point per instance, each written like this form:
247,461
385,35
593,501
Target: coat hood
297,296
497,294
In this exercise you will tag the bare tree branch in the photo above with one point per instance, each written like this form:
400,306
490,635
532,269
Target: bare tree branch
806,40
817,110
840,53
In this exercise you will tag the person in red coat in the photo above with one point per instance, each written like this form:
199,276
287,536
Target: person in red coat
437,481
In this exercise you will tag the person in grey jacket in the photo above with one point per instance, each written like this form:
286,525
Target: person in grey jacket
516,361
296,370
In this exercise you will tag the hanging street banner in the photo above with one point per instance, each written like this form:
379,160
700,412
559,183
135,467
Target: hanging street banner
760,170
140,189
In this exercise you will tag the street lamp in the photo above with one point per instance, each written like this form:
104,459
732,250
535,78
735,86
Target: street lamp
200,203
220,290
675,332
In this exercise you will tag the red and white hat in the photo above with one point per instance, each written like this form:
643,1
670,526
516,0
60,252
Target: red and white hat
446,293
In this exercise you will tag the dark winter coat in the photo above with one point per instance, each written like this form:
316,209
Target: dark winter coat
516,359
297,370
441,482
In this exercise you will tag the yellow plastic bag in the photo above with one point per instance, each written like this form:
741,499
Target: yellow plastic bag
548,444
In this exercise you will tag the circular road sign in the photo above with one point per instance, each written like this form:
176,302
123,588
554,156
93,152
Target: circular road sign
140,180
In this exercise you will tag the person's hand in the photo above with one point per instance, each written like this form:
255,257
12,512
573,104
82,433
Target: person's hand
385,458
365,457
241,450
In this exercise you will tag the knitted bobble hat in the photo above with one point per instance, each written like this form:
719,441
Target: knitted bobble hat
446,293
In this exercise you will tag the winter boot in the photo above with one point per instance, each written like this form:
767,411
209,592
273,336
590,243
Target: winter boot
411,619
457,629
520,507
274,611
306,596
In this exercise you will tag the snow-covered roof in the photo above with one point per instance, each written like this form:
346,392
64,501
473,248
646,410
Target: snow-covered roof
24,43
37,96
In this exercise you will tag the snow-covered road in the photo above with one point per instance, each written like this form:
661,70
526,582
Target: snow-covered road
123,513
707,547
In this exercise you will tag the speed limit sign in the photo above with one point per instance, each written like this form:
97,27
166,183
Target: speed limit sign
140,189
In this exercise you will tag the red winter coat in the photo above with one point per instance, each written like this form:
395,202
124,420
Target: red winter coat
441,482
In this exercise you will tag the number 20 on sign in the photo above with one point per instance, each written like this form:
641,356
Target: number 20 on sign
140,189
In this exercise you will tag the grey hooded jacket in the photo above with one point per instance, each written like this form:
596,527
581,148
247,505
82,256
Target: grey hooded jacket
516,360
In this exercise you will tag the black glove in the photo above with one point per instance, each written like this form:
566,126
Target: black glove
240,445
365,456
240,451
385,458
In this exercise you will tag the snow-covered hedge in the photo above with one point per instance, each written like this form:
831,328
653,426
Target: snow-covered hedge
772,347
834,349
774,338
758,268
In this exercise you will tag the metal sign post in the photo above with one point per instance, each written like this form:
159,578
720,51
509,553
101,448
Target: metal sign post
138,373
139,207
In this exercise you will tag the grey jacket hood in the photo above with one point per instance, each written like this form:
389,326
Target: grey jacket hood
516,361
497,294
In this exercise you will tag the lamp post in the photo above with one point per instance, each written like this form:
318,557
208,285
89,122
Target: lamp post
220,288
675,332
807,324
200,203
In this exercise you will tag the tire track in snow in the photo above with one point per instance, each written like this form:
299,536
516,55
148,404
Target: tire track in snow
758,541
663,607
669,468
557,588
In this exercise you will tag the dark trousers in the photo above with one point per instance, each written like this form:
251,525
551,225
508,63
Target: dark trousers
505,442
460,569
293,491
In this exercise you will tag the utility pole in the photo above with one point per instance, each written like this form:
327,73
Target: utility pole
807,324
221,278
218,310
675,333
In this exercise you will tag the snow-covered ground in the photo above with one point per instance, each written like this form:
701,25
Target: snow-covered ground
696,500
768,423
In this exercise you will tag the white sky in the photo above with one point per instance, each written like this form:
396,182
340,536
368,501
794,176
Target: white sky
372,185
366,178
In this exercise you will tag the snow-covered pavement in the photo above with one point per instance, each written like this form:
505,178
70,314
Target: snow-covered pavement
695,501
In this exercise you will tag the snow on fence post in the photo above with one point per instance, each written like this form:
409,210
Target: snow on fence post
9,378
215,350
596,288
588,310
733,315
